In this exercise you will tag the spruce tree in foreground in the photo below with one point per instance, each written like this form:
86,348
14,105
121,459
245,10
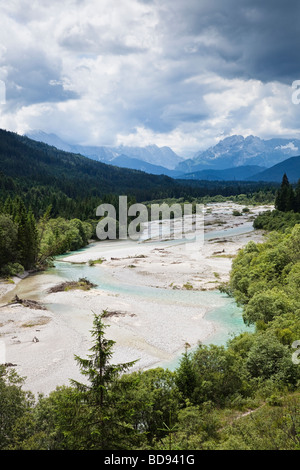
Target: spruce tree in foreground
186,376
104,427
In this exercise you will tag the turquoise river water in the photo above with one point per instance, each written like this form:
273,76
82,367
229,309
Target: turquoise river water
227,316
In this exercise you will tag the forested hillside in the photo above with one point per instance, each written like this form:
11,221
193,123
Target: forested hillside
46,176
75,185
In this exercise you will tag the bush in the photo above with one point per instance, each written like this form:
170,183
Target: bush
236,213
12,269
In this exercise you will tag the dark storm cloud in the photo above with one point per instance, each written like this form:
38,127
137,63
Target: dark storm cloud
253,38
34,78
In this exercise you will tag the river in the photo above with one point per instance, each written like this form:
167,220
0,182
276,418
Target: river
142,284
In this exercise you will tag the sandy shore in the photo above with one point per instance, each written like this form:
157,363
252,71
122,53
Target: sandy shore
41,343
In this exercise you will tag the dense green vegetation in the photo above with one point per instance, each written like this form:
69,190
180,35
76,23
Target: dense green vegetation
26,244
276,220
255,198
18,237
265,280
287,209
287,198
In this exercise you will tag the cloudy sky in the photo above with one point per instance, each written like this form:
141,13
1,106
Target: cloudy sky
181,73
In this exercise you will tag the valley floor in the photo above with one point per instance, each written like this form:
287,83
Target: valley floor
146,317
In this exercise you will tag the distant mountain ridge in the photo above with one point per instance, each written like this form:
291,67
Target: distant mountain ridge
291,167
123,161
238,151
233,158
161,156
240,173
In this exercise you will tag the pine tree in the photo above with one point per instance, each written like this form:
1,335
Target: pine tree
297,197
8,240
7,207
102,421
32,242
27,239
284,201
20,215
185,375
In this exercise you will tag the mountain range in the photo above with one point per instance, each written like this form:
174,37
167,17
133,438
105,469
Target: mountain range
236,151
239,173
233,158
152,154
291,167
123,161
